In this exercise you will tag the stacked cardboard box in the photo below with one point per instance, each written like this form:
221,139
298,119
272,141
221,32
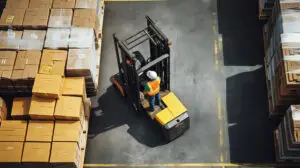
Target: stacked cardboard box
3,110
282,46
287,136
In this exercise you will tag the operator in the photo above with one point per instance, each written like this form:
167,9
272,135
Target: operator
152,89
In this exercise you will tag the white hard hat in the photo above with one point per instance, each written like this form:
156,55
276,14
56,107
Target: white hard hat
152,75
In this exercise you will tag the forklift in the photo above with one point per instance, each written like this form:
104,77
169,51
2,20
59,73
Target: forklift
171,115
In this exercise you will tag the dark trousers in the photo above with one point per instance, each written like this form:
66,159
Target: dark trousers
152,99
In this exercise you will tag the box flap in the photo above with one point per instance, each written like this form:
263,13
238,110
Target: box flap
67,131
60,18
64,152
74,86
42,106
20,106
63,3
7,58
17,4
11,151
36,17
47,85
30,71
40,3
12,16
68,107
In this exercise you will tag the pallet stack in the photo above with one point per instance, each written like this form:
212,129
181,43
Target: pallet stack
287,137
48,129
49,37
282,47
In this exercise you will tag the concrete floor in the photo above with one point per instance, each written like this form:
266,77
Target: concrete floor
225,94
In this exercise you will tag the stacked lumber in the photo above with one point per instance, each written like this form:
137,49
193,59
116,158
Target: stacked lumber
282,48
49,37
287,136
48,129
265,8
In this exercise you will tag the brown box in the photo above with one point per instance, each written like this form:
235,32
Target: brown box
67,131
68,108
53,62
87,18
36,152
12,17
10,39
20,108
81,62
36,17
86,4
65,153
7,61
27,64
40,131
40,3
60,18
57,38
48,86
33,40
74,86
3,110
42,108
63,4
13,130
17,4
11,151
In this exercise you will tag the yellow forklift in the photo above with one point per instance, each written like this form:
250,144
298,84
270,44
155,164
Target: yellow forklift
172,115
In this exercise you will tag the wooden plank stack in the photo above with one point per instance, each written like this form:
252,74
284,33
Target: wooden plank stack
287,136
48,129
49,37
281,34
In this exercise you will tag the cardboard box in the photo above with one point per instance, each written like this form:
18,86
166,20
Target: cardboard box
57,38
65,152
48,86
10,39
53,62
87,18
33,40
63,4
87,107
13,130
74,86
86,4
11,151
20,108
17,4
36,17
82,38
27,64
60,18
69,108
42,108
67,131
12,17
7,61
40,3
81,62
36,152
40,131
3,110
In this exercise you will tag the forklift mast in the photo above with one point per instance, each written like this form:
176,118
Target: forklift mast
159,60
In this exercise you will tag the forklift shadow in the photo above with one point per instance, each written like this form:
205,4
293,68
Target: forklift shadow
114,111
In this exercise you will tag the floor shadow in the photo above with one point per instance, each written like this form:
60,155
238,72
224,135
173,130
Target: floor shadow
249,128
114,111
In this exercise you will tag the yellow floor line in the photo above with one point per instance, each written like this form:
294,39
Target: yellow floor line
190,165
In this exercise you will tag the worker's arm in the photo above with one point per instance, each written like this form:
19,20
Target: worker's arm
146,89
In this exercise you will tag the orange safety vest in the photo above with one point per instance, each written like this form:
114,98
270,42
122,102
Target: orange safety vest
154,87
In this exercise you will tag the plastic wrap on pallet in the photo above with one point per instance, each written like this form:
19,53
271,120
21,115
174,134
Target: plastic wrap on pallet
86,4
57,38
82,62
290,40
10,39
60,18
82,38
33,40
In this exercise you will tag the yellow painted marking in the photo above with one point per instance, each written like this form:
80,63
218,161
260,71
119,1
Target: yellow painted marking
191,165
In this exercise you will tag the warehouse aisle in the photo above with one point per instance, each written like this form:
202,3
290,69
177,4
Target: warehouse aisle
223,87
